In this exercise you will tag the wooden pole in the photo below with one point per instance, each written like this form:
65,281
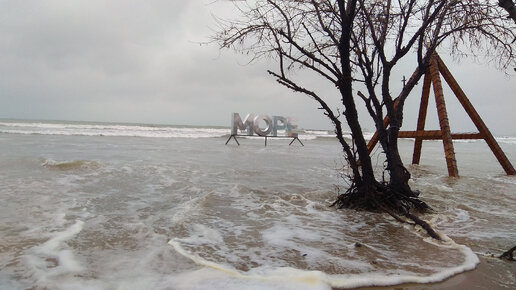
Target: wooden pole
374,140
449,151
475,117
437,135
421,119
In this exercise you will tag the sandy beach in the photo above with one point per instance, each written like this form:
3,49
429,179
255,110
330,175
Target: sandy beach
491,273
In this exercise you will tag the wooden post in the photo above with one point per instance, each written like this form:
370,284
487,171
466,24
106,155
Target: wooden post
374,140
421,119
449,151
437,135
475,117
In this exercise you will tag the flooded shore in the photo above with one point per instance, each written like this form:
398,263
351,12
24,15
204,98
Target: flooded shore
181,212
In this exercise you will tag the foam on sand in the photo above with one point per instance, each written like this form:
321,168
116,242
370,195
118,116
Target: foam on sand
291,278
259,278
52,258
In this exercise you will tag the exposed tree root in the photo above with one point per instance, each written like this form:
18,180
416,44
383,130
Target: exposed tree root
431,232
417,221
383,198
509,255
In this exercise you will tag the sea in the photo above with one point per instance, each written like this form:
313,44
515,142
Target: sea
133,206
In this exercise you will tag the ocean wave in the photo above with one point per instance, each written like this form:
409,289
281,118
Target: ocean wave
54,257
70,165
507,140
110,130
163,131
124,130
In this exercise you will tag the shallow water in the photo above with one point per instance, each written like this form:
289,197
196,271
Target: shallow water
133,211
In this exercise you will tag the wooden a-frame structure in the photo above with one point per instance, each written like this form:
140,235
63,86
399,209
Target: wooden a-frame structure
432,77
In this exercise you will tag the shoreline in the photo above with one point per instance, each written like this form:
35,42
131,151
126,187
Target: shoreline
490,273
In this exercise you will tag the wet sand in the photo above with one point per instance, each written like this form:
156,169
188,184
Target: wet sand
491,273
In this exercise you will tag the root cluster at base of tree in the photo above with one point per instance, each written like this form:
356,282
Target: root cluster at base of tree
398,204
384,198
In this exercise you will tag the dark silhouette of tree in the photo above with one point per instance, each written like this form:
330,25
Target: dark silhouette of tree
360,41
510,7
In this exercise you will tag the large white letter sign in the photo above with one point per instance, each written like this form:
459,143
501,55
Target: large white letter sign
252,125
276,127
259,130
238,124
291,127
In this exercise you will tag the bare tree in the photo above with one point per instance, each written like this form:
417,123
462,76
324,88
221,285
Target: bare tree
359,41
510,7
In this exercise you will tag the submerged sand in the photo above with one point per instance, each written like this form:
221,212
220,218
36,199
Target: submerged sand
491,273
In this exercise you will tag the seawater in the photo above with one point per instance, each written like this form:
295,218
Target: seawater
121,206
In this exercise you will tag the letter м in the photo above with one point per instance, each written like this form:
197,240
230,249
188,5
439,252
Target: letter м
237,124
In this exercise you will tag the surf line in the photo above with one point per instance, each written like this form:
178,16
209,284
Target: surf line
470,262
312,278
316,278
54,249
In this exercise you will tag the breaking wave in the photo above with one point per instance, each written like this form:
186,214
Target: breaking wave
70,165
110,130
128,130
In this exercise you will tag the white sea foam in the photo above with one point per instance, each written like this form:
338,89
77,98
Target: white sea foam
116,130
507,140
258,213
111,130
152,131
291,278
294,234
53,258
350,281
230,278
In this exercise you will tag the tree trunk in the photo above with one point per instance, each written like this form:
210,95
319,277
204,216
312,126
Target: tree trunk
358,137
399,174
509,6
345,85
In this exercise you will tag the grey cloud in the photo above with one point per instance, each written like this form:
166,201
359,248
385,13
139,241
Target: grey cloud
141,61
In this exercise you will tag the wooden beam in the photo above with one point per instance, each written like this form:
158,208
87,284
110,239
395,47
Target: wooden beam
437,135
449,151
475,117
423,108
432,77
374,140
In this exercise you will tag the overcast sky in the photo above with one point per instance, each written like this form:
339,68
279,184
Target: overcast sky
142,62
